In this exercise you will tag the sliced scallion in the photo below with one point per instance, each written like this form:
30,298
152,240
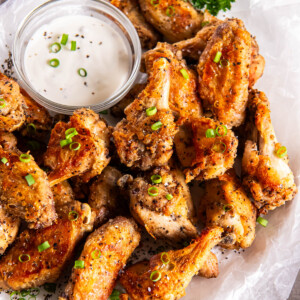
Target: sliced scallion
65,142
79,264
30,180
281,152
184,73
156,178
156,126
44,246
210,133
224,62
24,157
96,254
55,47
2,103
71,132
219,147
24,258
4,160
75,146
115,295
155,276
34,292
50,287
151,111
54,63
165,258
262,221
73,45
73,215
153,191
217,57
64,39
223,130
169,197
170,11
82,72
155,2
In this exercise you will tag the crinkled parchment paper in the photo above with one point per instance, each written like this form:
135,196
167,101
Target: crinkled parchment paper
267,269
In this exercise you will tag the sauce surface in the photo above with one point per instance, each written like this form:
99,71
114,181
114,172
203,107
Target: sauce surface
100,50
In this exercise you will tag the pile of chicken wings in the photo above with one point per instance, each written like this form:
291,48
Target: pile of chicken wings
70,181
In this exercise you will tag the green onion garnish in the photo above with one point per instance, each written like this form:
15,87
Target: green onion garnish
224,130
203,24
25,293
227,207
82,72
156,179
219,147
73,45
169,197
156,126
2,103
155,2
79,264
170,11
64,39
165,258
50,287
281,152
218,57
65,142
33,292
224,62
30,180
31,128
34,145
73,215
151,111
44,246
55,47
104,112
210,133
4,160
25,158
13,294
155,276
184,73
153,191
75,146
115,295
24,258
96,254
70,133
262,221
54,63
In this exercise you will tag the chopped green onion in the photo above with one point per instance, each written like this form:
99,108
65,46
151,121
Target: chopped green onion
32,298
155,2
65,142
73,215
44,246
34,292
25,158
219,147
153,191
30,180
104,112
64,39
165,258
262,221
155,276
203,24
169,197
224,130
82,72
73,45
4,160
224,62
218,57
156,126
170,11
14,293
156,179
79,264
55,47
281,152
227,207
184,73
34,145
115,295
31,128
24,258
71,132
96,254
54,63
22,299
2,103
151,111
75,146
25,293
210,133
50,287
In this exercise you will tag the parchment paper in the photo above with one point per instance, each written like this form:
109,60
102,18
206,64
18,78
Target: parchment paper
267,270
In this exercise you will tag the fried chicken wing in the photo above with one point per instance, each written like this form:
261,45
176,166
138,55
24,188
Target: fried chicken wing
8,141
37,267
12,114
225,204
266,172
105,253
147,34
144,141
169,280
90,159
176,19
62,193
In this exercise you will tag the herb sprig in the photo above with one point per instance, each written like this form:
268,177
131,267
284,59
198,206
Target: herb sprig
213,6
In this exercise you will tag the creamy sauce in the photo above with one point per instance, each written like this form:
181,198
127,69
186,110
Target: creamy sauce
100,50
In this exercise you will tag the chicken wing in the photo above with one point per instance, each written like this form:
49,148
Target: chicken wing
88,154
176,19
225,204
8,141
266,172
167,275
147,34
12,114
62,193
145,139
105,253
26,265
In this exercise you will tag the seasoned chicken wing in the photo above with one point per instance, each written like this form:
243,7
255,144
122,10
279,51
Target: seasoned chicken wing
12,114
147,34
167,275
266,172
8,141
105,253
85,153
176,19
145,138
40,256
62,193
225,204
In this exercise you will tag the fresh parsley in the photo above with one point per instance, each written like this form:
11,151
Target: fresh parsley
213,6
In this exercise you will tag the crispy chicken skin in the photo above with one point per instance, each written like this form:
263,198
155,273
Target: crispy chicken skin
115,241
257,65
223,86
137,144
32,203
8,141
225,204
90,159
45,266
205,158
147,34
175,275
12,114
176,19
62,193
267,176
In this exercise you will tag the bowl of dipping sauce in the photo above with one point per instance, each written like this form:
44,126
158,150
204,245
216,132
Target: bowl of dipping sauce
76,53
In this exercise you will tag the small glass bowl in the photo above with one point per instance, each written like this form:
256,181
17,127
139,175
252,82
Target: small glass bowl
59,8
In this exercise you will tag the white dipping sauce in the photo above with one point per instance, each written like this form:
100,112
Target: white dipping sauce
100,50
